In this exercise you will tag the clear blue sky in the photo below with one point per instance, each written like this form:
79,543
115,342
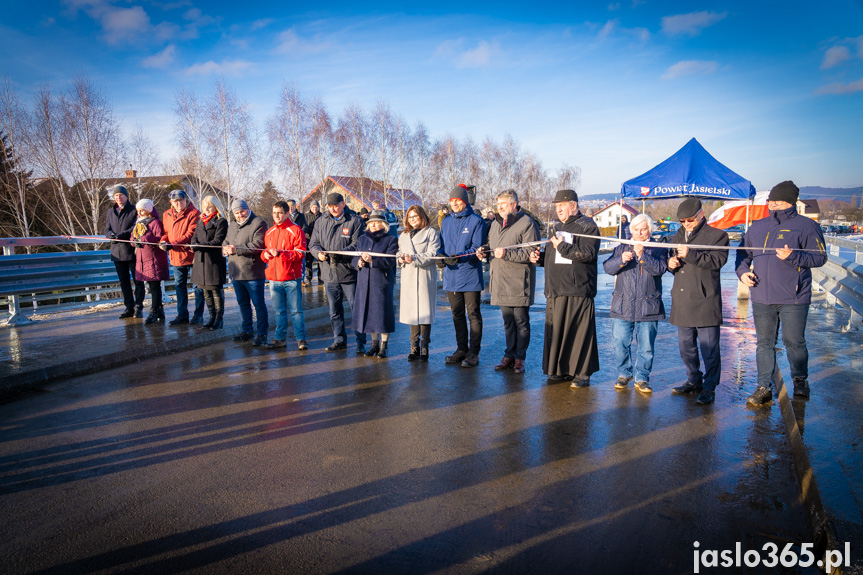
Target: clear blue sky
773,89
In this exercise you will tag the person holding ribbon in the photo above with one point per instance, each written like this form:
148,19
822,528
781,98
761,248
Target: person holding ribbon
151,263
513,276
780,282
696,299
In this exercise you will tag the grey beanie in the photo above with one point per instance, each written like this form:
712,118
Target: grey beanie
119,189
239,204
458,193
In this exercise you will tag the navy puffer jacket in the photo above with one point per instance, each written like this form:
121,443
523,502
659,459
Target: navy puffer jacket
637,284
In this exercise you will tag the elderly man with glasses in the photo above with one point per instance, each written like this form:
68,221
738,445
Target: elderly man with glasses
696,299
180,223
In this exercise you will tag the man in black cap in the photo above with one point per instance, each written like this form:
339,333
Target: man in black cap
696,299
780,281
120,222
338,230
570,349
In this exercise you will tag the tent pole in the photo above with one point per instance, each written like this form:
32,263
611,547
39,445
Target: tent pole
620,221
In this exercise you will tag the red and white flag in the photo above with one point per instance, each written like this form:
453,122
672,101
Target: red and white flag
734,213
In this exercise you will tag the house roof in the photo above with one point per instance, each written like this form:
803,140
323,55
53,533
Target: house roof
811,206
367,190
626,208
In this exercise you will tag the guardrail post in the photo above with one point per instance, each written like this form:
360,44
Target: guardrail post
15,315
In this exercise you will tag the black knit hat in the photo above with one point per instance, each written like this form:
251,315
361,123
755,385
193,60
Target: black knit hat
565,196
688,208
784,192
458,193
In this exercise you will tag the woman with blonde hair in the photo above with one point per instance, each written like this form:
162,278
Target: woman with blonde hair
209,269
418,245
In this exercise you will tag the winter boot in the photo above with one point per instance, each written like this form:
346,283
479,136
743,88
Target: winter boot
211,307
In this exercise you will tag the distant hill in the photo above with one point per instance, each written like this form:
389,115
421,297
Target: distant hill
841,194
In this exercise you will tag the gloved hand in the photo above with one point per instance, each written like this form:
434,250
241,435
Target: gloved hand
112,236
451,261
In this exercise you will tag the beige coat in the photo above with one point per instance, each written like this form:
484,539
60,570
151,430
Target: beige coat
419,278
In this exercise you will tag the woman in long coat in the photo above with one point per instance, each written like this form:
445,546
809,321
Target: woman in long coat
373,310
418,245
209,269
151,262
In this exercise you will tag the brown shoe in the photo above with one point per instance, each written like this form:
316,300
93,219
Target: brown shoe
519,366
505,363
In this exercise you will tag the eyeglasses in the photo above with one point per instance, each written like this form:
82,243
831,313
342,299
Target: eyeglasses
689,221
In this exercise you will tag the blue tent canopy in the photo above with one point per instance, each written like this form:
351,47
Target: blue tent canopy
692,171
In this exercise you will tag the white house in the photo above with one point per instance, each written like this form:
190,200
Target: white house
609,216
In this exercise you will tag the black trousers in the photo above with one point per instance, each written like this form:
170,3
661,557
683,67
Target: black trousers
466,301
516,326
424,330
126,275
155,294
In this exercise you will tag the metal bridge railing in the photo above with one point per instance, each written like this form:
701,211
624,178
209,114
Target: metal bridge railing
55,281
842,277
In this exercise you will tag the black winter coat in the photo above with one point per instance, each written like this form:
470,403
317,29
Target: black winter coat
696,296
373,302
338,236
578,278
209,267
121,225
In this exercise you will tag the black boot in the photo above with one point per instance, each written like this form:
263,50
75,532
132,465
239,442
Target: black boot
139,310
211,307
219,301
414,354
374,349
130,312
157,315
424,351
383,352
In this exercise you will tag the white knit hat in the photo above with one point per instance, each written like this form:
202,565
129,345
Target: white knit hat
145,204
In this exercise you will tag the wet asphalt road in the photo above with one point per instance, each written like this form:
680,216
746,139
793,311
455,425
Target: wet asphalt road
231,459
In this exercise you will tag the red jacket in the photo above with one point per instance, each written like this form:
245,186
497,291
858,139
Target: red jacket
180,229
288,265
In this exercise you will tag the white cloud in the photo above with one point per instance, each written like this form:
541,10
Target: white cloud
690,68
161,59
479,57
262,23
289,42
613,26
835,56
224,68
840,88
690,24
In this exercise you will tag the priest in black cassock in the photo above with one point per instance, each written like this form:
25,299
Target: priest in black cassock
570,349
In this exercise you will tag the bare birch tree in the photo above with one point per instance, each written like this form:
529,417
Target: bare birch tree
353,137
92,134
323,143
229,132
422,151
383,138
17,206
289,132
195,159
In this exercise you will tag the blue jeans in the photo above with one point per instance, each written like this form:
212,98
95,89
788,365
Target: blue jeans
181,280
689,339
645,335
288,294
791,318
251,292
336,294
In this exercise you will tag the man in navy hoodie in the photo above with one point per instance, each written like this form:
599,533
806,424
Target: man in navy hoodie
780,281
462,234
